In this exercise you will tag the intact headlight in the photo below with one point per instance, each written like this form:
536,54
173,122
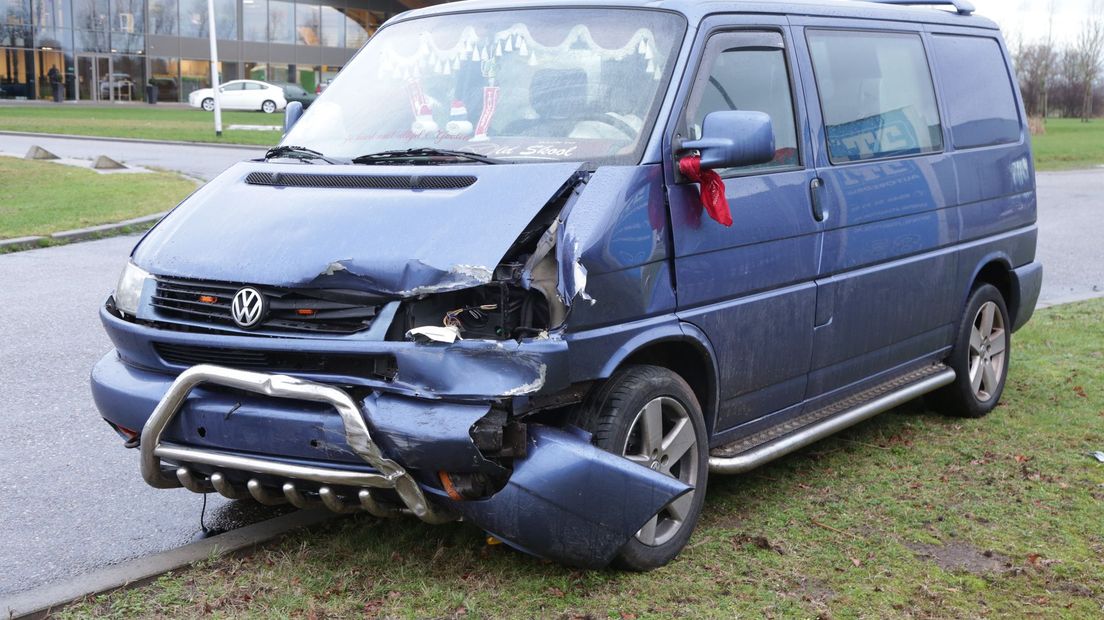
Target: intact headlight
129,289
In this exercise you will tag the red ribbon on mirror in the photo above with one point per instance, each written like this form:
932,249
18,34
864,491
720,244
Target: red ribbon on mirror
712,189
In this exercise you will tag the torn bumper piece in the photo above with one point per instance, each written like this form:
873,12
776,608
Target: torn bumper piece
571,502
566,501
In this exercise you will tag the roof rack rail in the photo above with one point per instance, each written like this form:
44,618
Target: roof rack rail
964,7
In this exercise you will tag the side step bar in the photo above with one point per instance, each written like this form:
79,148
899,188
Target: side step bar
771,450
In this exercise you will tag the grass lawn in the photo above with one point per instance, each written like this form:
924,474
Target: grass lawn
908,515
1070,144
134,121
38,198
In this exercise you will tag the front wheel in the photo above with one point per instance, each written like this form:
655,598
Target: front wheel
268,107
649,415
208,105
980,356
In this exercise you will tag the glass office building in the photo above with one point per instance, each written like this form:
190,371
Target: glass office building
109,50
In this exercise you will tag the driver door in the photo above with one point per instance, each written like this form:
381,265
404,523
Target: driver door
750,287
232,95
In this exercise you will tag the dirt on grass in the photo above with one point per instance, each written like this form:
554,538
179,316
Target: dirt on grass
960,556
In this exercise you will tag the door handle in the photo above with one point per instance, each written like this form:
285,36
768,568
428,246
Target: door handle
816,188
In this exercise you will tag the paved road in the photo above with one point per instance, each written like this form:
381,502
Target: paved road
1071,234
72,497
202,162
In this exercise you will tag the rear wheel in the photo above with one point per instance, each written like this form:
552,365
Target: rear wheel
268,107
980,356
649,415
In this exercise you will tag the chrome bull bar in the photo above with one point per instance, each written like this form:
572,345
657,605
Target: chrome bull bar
391,475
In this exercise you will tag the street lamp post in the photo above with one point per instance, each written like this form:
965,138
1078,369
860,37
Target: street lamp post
214,66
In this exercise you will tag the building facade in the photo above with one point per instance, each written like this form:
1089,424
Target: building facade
109,50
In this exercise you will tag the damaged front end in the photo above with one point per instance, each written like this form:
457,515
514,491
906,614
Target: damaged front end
440,349
565,499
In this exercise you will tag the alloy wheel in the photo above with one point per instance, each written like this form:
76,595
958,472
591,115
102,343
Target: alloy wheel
662,438
988,343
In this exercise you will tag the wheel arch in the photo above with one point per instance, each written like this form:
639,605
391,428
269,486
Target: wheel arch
995,269
686,352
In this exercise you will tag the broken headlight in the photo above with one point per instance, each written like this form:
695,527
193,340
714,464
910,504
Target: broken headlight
497,311
129,289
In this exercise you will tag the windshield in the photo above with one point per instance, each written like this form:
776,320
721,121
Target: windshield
520,85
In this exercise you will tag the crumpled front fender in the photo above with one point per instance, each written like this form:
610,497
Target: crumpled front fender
571,502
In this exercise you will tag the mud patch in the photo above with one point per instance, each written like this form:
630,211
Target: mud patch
959,556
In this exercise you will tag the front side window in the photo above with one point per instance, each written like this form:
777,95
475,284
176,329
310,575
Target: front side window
747,71
527,85
876,94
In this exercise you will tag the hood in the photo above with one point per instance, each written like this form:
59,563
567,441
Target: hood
391,230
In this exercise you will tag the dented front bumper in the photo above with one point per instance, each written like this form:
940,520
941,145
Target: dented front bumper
310,442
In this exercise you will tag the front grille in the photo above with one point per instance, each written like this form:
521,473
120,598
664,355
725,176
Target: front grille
360,181
209,302
370,366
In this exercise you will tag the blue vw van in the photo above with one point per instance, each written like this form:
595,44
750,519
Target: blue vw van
547,266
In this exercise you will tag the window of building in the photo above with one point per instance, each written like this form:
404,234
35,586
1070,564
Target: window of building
981,105
333,27
747,71
193,19
52,13
254,20
53,66
127,80
165,76
91,15
308,24
162,17
360,24
16,74
15,23
128,16
281,21
876,94
194,75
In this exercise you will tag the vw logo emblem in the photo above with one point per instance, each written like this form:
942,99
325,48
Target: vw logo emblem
248,308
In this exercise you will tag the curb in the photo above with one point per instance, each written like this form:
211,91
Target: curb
40,602
1072,299
246,147
80,234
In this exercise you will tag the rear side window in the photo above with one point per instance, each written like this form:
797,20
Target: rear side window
876,94
981,105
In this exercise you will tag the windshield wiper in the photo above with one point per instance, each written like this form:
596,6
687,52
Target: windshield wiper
391,157
297,152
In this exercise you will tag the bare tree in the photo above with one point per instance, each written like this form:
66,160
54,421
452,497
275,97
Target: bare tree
1036,63
1089,51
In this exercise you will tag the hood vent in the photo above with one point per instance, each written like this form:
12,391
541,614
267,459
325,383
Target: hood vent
358,181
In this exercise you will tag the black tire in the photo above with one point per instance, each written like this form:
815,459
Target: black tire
611,414
268,106
972,395
208,104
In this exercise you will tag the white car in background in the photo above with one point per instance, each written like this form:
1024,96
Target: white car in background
241,95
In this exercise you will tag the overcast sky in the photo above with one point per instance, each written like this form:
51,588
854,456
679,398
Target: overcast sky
1030,18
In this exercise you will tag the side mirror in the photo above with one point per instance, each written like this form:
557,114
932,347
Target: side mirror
292,113
731,139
